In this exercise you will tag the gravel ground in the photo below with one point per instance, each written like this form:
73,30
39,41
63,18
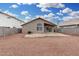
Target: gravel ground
17,45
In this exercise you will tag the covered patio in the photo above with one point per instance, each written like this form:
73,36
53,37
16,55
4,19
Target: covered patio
49,27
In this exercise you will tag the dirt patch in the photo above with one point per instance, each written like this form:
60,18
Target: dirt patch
44,46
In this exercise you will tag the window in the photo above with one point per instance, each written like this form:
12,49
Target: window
39,27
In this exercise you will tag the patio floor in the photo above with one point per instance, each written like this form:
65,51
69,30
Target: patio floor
45,35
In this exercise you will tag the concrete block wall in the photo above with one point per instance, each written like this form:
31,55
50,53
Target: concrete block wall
71,31
8,31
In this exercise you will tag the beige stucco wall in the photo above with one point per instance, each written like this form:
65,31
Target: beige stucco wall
32,26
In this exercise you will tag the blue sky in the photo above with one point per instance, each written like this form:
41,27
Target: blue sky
53,12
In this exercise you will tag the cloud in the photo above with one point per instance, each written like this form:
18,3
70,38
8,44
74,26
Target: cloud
67,18
37,16
7,12
46,15
50,17
0,9
28,17
14,6
24,13
72,15
67,10
21,3
59,13
45,10
44,7
53,5
25,3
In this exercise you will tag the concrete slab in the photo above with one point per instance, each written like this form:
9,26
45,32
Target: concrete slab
45,35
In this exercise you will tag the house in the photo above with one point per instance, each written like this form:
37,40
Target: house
38,25
9,24
7,20
70,26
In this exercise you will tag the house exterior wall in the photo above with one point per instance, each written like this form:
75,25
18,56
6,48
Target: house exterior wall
8,21
32,26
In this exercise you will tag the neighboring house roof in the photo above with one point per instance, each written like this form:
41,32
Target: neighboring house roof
40,19
69,22
12,16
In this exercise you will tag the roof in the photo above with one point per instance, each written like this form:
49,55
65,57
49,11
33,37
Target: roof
11,16
40,19
69,22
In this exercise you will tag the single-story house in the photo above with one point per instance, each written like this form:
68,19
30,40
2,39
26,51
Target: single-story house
38,25
69,26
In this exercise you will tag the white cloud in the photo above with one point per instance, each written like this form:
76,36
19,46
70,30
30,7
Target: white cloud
0,9
37,16
59,13
67,10
19,3
45,10
7,12
24,13
71,14
25,3
43,7
67,18
53,5
27,17
49,17
31,3
74,13
22,3
14,6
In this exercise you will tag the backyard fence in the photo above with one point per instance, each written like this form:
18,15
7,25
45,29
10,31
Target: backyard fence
8,31
72,31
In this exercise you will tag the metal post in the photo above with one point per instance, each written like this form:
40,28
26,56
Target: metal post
3,32
76,28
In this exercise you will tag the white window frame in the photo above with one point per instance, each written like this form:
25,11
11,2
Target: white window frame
39,27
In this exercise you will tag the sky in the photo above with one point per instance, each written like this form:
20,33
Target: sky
54,12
